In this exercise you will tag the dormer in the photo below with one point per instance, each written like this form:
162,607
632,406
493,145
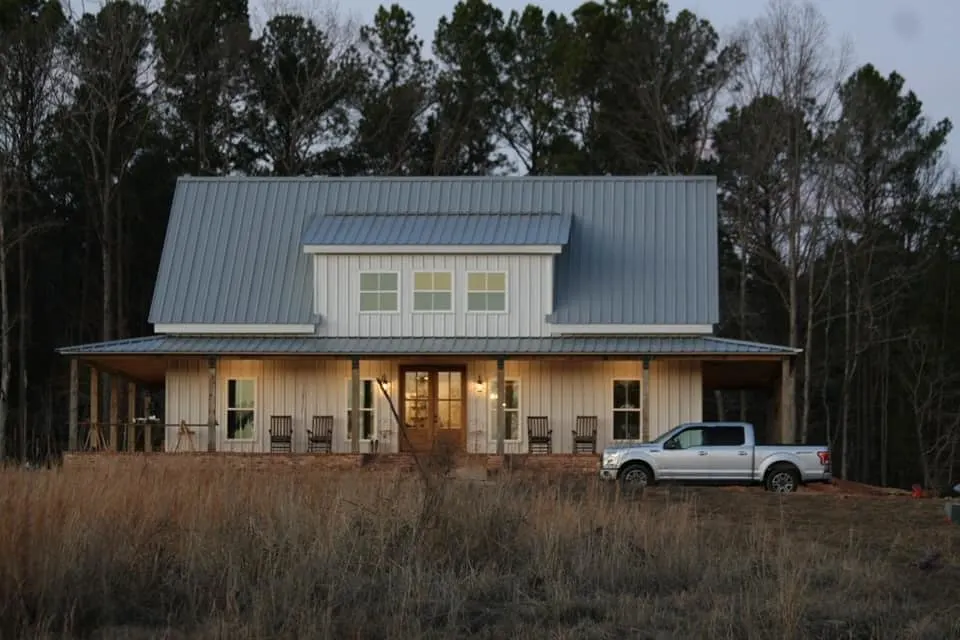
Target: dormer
434,274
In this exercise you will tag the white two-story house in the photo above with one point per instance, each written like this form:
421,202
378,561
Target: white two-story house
487,315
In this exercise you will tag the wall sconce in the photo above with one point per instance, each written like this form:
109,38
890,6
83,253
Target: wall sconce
384,381
480,386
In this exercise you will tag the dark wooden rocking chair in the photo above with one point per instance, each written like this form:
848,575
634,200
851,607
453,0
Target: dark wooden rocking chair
539,434
281,434
320,437
585,434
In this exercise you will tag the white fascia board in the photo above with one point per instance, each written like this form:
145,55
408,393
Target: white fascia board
236,329
632,329
408,249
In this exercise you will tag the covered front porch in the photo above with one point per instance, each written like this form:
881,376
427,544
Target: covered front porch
553,396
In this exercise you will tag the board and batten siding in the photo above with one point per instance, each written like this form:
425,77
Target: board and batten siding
337,296
560,390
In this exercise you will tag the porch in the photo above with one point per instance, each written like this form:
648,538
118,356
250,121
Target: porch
294,395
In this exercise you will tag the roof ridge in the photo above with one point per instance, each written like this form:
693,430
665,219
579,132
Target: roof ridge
564,178
364,214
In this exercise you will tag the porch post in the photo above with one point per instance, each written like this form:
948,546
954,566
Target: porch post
212,404
147,427
501,400
94,435
788,428
73,442
131,416
645,401
355,405
114,412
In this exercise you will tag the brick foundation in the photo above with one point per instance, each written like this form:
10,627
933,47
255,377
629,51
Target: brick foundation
560,464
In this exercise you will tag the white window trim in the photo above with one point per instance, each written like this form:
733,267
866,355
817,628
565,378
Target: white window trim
372,410
359,292
493,409
414,291
613,410
506,291
227,408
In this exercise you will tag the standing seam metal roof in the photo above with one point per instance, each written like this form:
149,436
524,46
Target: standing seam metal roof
607,345
439,229
640,250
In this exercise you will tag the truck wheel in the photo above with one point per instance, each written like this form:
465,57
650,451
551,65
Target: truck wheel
782,478
636,476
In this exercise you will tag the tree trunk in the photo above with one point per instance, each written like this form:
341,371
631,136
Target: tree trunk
106,267
847,365
119,331
808,358
24,323
4,327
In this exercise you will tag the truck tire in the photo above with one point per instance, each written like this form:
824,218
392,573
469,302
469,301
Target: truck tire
636,476
782,478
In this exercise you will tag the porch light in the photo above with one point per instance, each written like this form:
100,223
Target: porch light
480,386
384,380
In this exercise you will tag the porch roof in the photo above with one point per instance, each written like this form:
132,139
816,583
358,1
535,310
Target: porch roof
179,345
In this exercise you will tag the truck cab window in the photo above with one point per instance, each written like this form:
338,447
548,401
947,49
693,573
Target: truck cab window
725,437
686,439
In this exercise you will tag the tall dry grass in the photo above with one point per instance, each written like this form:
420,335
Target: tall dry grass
365,556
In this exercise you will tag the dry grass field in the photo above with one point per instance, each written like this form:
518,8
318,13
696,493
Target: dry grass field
364,555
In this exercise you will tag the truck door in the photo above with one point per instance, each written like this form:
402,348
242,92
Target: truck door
684,456
728,454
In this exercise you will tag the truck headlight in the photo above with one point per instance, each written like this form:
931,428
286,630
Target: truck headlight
609,460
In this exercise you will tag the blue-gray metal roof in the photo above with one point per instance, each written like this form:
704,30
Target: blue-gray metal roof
461,228
640,251
606,345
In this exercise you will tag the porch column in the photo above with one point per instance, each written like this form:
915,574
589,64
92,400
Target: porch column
788,427
355,405
114,412
73,443
501,400
645,401
94,435
212,404
147,427
131,416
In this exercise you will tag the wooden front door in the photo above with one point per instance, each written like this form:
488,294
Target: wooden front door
434,407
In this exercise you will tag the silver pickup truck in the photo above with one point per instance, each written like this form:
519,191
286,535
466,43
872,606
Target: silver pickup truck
716,452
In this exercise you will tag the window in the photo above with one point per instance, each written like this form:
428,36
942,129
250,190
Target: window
367,414
511,409
707,437
378,292
687,439
432,291
241,400
725,437
626,409
486,291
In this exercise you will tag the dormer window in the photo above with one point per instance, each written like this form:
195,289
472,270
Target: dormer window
432,291
487,291
379,292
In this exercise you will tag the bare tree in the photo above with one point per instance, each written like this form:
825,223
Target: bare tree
303,79
111,67
30,45
789,55
668,78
